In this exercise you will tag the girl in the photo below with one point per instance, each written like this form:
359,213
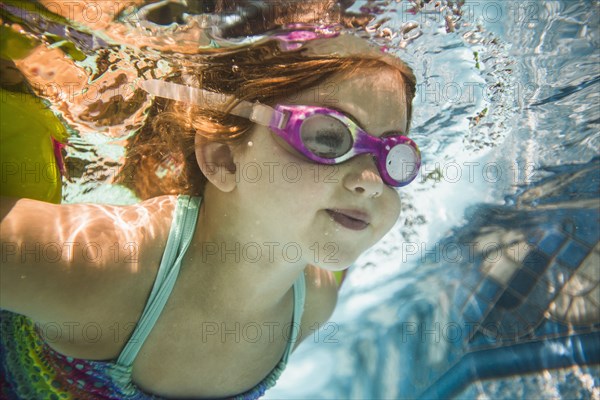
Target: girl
264,168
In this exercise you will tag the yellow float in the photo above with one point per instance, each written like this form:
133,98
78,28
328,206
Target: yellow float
30,135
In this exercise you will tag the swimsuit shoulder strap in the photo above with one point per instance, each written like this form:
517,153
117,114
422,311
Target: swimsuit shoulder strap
299,298
180,237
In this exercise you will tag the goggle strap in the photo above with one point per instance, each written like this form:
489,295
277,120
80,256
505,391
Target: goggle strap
258,113
186,94
255,112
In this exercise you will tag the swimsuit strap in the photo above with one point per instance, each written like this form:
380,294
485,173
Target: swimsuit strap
180,237
299,297
270,381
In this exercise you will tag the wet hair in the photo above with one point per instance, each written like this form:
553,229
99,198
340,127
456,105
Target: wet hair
161,156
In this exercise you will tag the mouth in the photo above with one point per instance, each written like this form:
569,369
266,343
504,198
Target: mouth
351,219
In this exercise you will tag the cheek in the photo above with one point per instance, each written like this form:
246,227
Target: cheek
390,208
267,166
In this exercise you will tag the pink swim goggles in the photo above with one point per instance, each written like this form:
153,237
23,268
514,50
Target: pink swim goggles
323,135
327,136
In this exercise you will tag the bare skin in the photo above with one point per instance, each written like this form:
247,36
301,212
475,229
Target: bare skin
185,353
181,357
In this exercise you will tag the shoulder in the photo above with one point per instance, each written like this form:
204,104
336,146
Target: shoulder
80,256
321,299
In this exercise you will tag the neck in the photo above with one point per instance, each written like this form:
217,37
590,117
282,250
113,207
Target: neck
233,259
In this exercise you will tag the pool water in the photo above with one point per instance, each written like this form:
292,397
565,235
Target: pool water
488,285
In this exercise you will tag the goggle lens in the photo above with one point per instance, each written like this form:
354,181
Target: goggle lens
401,163
326,136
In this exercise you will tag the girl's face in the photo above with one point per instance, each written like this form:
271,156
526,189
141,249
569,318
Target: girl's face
326,215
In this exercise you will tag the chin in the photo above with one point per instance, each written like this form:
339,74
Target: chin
335,255
336,263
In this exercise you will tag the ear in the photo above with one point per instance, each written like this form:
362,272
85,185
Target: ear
216,162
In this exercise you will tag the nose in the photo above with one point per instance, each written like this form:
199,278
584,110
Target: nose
363,178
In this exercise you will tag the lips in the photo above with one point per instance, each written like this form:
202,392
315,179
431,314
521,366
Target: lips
351,219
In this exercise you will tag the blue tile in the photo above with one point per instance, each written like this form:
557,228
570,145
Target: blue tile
461,296
540,297
572,255
474,311
534,237
536,262
556,276
509,300
530,312
587,228
472,279
551,243
489,289
483,304
512,327
523,282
